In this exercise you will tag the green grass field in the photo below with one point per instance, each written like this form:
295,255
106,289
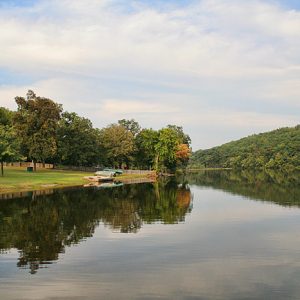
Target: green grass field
18,179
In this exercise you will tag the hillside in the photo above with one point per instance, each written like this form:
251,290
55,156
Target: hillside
277,149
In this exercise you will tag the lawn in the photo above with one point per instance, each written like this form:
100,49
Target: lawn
18,179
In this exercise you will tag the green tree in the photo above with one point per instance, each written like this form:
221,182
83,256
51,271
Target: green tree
166,148
118,144
131,125
183,138
9,146
145,148
36,122
6,116
78,141
162,150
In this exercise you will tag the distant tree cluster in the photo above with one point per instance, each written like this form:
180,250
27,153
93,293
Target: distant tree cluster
277,149
40,131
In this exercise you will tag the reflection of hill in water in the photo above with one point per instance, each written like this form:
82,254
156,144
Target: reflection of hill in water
41,227
280,188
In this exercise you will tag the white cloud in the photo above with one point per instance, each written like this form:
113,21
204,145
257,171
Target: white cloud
285,89
117,107
203,40
182,64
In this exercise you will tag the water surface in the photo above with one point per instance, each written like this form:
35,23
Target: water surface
211,235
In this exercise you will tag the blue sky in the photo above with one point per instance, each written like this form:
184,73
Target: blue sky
294,4
222,69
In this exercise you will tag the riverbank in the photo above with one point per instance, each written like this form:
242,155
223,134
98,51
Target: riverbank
19,180
207,169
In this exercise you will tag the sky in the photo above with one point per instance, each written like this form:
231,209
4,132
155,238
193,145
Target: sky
222,69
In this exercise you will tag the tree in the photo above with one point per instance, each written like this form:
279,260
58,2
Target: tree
183,138
131,125
163,149
36,122
166,148
183,154
6,116
78,141
118,144
9,146
145,151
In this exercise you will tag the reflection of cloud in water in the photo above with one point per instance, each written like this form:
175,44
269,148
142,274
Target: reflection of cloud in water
228,208
230,278
228,248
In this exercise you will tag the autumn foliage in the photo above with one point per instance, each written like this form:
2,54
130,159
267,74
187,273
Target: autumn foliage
183,152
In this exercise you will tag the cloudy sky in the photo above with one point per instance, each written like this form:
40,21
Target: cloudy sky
222,69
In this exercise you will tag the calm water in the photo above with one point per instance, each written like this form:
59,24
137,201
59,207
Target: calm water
213,235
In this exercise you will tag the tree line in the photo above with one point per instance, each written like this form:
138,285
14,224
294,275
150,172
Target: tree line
278,149
41,131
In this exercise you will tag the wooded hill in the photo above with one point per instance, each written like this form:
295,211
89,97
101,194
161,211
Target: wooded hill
277,149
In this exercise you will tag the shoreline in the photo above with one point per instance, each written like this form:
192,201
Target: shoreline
207,169
17,180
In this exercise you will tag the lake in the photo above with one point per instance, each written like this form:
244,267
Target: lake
209,235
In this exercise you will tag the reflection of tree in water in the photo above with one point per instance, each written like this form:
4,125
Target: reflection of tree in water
134,205
277,187
42,227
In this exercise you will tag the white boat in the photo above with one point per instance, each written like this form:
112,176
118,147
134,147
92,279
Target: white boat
106,173
99,178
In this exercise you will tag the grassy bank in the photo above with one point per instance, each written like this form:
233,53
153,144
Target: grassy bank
19,180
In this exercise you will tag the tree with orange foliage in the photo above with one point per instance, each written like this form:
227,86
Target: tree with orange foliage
183,154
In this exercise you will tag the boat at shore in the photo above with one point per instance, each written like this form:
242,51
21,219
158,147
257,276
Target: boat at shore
101,176
98,178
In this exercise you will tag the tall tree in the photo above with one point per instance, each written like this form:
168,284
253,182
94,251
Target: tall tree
131,125
118,143
183,154
36,122
145,151
6,116
172,149
166,148
78,141
9,146
183,138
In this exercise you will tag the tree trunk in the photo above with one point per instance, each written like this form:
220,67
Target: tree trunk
2,169
156,162
34,166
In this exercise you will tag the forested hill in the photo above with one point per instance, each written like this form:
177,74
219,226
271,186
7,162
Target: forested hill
277,149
